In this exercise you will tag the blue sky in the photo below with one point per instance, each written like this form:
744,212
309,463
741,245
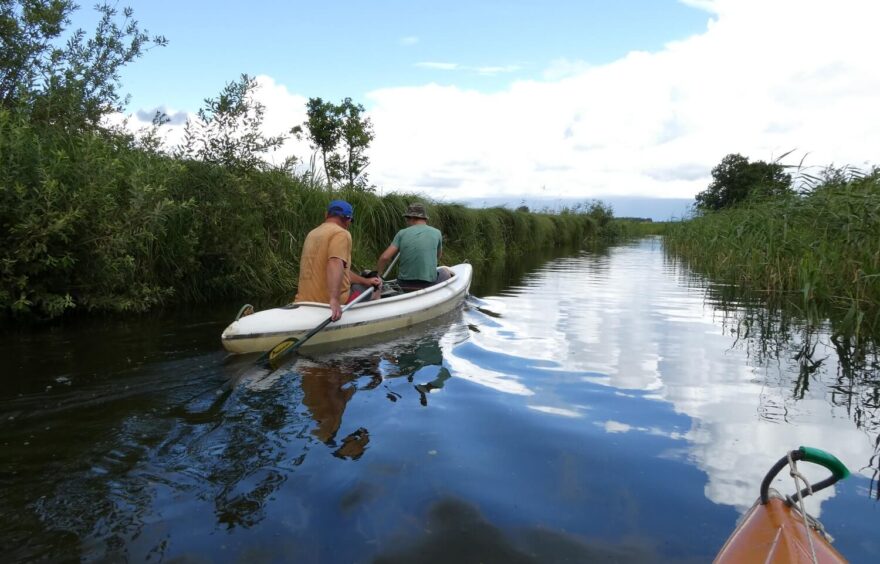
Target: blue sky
552,99
337,48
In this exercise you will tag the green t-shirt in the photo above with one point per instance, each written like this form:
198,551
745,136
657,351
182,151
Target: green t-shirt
418,246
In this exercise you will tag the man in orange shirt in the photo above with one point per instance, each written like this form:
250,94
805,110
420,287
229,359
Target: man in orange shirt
325,274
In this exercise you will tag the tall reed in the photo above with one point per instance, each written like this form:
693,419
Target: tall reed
93,222
628,228
821,248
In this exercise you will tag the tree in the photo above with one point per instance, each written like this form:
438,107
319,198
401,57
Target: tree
357,133
73,84
735,179
324,129
601,212
228,130
329,126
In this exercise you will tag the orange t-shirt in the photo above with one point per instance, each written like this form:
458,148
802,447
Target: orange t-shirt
324,242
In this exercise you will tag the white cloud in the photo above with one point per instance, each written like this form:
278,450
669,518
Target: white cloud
562,68
764,78
141,120
498,69
487,70
409,40
283,110
437,65
708,5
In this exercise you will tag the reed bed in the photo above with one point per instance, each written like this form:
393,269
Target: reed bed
628,228
93,222
819,250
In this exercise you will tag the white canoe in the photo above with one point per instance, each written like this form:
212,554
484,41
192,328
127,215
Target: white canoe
263,330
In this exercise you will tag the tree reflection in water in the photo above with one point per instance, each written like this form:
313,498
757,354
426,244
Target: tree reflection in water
816,351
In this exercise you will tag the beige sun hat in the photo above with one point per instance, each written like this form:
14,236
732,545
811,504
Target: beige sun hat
417,211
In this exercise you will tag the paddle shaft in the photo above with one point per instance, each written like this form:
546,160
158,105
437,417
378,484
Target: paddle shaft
327,321
282,352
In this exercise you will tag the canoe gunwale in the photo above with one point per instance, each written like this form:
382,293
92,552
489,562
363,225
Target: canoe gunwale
384,301
264,329
331,329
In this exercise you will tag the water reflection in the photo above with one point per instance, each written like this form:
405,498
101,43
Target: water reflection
605,405
846,368
753,384
421,362
326,391
457,532
305,404
92,468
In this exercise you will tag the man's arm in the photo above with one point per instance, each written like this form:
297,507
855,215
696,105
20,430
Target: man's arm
335,269
358,279
385,258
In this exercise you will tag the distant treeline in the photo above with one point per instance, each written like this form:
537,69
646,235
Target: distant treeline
816,246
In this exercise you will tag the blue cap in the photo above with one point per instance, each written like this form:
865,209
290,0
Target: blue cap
340,208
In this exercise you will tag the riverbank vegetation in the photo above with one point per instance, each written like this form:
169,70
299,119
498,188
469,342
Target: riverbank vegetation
95,221
94,218
815,246
629,228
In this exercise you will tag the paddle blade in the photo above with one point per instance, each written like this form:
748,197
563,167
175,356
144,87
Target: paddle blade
281,349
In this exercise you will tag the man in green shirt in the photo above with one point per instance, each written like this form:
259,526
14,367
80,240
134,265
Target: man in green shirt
420,246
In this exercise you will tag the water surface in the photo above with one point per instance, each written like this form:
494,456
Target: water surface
602,405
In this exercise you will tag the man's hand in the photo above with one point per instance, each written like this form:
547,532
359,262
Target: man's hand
374,281
335,309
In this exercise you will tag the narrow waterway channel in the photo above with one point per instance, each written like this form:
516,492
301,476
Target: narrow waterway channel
600,406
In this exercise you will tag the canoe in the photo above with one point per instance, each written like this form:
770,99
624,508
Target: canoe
775,529
261,331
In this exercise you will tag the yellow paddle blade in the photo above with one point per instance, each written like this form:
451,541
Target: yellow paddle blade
279,349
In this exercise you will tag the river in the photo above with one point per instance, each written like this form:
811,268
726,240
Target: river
601,406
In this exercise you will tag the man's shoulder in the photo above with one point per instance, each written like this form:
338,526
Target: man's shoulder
433,230
424,227
330,229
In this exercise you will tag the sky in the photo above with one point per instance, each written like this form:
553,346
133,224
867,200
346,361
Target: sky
476,100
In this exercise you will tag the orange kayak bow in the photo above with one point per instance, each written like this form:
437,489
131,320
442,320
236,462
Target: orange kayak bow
776,529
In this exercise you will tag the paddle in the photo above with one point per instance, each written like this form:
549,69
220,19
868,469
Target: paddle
267,363
273,358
